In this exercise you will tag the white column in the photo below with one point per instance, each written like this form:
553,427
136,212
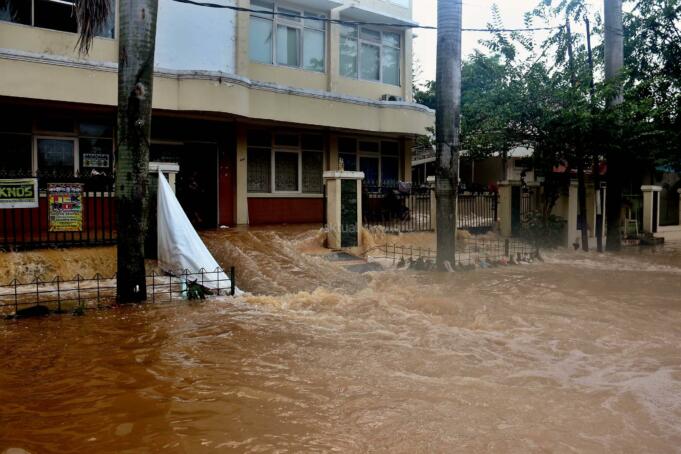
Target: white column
334,218
651,195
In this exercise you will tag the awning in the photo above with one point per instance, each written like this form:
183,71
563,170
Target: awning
357,13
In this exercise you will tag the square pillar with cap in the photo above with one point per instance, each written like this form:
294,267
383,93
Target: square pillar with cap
651,208
510,193
343,208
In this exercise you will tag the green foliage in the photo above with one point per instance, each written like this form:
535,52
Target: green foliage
545,231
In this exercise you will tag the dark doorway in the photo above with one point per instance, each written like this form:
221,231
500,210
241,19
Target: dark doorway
197,183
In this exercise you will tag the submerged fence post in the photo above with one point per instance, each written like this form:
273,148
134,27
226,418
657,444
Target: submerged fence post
16,297
232,280
58,296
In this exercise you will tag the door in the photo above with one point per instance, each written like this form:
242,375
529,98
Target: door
197,183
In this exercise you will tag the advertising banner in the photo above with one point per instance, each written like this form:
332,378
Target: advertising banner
65,207
19,193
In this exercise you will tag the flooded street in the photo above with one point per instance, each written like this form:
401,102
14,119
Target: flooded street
578,354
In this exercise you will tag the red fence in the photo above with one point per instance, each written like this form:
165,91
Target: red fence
26,228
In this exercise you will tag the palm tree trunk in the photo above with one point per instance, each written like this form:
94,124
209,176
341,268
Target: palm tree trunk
448,124
137,36
614,62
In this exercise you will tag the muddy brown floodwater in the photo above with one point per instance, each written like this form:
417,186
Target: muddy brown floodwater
578,354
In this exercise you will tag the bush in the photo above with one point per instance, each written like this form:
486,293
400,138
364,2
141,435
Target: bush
546,232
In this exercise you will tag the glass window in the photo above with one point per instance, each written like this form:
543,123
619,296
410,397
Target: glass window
289,14
56,15
346,145
349,161
370,62
390,171
391,66
348,52
15,153
313,50
390,148
370,147
369,166
258,138
313,169
288,43
391,39
259,170
286,171
55,156
311,21
94,128
18,11
313,142
370,35
95,156
260,39
55,124
287,140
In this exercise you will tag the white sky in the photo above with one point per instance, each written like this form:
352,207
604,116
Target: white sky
476,14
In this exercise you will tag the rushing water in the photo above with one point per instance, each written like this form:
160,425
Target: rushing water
579,354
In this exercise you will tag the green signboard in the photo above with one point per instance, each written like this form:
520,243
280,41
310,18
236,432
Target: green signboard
349,213
19,193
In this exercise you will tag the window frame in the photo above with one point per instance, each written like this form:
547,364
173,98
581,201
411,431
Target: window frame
367,154
298,150
62,2
301,25
380,44
68,138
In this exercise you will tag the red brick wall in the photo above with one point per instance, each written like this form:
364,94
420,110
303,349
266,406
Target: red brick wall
285,211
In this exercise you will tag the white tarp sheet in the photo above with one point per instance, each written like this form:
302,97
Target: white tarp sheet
179,246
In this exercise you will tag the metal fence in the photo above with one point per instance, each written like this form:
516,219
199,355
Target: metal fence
61,295
477,212
26,228
475,252
395,210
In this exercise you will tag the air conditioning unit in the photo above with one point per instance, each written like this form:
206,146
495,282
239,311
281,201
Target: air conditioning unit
392,98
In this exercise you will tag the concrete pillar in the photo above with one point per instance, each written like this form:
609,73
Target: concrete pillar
651,208
241,174
243,22
343,195
407,146
679,191
506,207
333,152
433,203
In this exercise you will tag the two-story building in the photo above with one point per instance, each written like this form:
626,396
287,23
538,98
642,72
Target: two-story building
253,106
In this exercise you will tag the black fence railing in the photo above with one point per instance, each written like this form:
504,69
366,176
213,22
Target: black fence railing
477,212
470,253
397,210
60,295
26,228
410,210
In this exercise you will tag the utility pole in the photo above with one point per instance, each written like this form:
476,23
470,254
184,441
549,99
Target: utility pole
448,125
579,152
614,62
596,156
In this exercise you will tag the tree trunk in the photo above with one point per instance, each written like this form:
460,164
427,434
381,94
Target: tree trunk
448,123
581,184
614,62
137,36
596,156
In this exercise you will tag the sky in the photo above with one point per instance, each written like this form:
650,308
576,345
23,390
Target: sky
476,14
